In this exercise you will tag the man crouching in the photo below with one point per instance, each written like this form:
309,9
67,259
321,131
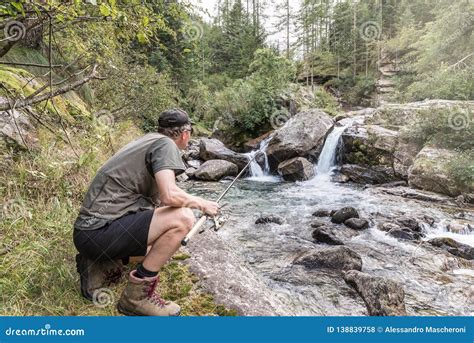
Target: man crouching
119,217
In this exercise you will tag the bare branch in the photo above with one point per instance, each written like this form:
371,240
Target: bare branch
5,105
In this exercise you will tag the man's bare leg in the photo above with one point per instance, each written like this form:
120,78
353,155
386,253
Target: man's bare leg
167,229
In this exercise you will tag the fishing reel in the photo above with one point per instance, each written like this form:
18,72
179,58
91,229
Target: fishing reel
218,221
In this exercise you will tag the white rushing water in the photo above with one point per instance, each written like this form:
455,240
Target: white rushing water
327,158
256,171
261,269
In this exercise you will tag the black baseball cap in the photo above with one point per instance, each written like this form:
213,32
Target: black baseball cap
174,117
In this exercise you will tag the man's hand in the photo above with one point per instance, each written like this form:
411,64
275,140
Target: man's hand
210,208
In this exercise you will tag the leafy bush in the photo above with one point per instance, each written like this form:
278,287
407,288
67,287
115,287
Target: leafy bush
354,91
444,128
461,169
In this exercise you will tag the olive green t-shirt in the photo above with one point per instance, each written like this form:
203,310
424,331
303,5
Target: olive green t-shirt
126,183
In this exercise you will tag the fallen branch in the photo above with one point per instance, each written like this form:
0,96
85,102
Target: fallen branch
5,105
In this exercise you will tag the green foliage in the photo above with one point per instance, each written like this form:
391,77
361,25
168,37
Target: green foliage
325,101
436,45
461,169
444,128
354,91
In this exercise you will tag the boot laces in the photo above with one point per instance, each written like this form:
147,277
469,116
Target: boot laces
152,296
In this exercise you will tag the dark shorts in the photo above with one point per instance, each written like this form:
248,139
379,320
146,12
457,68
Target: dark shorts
122,238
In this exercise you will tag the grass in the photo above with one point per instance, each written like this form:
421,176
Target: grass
41,193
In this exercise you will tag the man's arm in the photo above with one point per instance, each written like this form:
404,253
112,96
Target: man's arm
171,195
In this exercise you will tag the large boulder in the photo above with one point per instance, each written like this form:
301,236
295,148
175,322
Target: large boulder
302,135
373,175
214,170
214,149
296,169
382,296
453,247
338,258
430,172
374,145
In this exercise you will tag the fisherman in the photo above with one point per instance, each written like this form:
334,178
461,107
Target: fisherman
120,217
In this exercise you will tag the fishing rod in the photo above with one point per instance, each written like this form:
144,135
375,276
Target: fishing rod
203,219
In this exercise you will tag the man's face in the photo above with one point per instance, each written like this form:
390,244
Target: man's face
184,138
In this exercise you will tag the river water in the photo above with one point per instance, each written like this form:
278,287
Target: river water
249,267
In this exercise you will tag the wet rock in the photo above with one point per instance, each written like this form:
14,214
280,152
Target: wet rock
410,223
182,177
388,226
430,172
326,235
192,151
462,228
214,149
296,169
317,224
190,171
214,170
338,258
429,220
357,223
368,174
340,178
453,247
322,213
382,296
301,134
194,163
254,144
405,234
269,219
340,216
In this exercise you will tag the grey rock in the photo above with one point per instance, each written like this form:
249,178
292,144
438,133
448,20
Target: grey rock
357,223
405,234
269,219
338,258
368,174
430,172
301,134
340,216
326,235
296,169
194,163
382,296
388,226
453,247
214,149
322,213
214,170
410,223
317,224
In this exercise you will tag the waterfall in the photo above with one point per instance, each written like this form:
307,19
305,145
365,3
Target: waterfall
256,171
327,158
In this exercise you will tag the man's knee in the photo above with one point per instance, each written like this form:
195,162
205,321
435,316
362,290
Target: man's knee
187,218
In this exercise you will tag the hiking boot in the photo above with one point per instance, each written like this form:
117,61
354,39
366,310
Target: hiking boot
97,274
139,299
